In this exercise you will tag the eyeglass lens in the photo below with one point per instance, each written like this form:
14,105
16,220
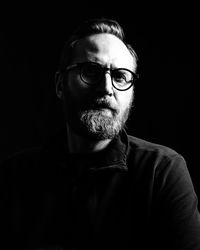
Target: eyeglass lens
92,73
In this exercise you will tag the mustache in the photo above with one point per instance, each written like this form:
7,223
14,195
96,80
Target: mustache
100,103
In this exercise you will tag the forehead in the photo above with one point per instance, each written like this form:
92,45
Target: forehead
106,49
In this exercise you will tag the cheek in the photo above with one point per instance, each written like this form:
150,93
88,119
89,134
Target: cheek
124,99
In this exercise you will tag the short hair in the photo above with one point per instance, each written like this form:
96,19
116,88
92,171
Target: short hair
91,27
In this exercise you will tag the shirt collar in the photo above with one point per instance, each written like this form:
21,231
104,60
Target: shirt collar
113,157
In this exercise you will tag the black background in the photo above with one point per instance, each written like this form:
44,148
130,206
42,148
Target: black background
165,38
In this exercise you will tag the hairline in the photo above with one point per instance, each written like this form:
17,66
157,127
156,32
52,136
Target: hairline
75,43
98,26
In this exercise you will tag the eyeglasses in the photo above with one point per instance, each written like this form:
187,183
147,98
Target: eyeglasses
92,74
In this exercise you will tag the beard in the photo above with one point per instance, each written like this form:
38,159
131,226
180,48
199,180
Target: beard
99,125
96,118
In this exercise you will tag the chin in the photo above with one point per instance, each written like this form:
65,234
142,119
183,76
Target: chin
99,125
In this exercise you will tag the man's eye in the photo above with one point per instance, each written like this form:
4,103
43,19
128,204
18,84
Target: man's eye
91,71
119,76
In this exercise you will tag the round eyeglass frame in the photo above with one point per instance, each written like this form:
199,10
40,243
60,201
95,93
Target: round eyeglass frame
79,66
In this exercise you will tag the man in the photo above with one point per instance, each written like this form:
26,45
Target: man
93,186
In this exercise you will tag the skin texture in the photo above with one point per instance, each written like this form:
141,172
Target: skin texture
96,115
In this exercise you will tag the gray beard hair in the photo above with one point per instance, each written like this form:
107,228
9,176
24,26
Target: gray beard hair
93,123
98,126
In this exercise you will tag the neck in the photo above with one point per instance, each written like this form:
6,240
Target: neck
80,144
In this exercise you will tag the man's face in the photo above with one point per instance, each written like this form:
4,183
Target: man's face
98,112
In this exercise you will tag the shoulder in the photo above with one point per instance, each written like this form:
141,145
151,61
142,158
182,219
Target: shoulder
37,159
158,166
23,155
153,155
49,150
22,160
142,145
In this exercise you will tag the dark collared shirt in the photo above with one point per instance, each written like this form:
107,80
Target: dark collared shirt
133,195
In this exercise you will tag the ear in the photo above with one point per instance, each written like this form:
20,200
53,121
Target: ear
59,84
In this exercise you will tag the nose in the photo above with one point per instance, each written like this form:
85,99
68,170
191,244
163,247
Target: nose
105,87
